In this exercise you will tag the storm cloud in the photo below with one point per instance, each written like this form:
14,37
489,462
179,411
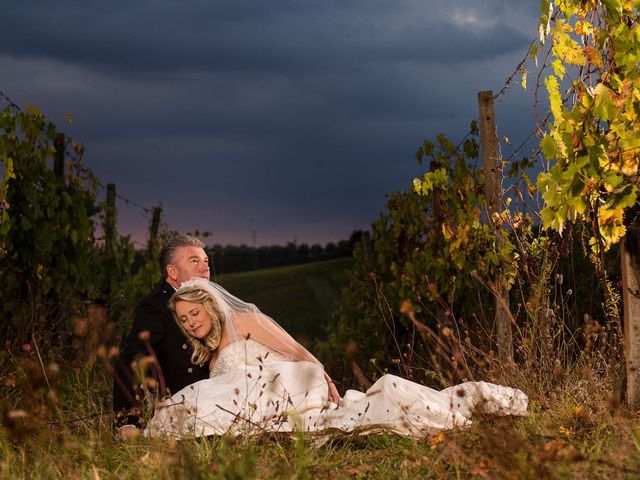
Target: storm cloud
288,118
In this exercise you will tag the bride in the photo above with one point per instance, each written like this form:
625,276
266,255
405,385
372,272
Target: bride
261,379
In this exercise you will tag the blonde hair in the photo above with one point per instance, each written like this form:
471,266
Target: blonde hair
202,349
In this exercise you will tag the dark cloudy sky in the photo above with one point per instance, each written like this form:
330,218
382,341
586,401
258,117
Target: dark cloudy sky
290,118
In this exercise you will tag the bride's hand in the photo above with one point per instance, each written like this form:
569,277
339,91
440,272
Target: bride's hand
128,432
334,396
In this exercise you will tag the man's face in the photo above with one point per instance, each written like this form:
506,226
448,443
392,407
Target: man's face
189,262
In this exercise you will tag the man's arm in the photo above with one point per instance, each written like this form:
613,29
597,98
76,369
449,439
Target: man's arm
148,318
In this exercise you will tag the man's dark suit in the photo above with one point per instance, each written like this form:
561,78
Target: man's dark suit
169,345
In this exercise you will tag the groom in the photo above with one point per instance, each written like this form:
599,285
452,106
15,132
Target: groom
181,259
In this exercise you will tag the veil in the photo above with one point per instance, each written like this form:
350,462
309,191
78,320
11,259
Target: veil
264,328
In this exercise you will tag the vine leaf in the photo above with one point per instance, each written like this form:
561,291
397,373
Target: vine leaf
603,107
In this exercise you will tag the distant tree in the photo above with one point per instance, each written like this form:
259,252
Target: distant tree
355,238
242,258
303,253
316,252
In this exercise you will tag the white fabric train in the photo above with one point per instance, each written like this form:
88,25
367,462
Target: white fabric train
254,389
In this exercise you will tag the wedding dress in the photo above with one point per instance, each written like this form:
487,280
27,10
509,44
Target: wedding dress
255,389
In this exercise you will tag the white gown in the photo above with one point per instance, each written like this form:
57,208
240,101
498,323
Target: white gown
254,389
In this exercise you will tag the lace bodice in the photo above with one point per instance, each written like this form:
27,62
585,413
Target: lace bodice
244,352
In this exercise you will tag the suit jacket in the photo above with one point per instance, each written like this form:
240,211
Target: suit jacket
168,344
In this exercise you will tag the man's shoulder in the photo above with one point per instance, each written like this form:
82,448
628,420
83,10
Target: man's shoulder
160,294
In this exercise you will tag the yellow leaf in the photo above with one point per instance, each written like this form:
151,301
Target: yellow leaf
553,87
630,115
610,225
630,163
583,28
580,412
608,216
447,233
436,439
566,432
592,55
578,28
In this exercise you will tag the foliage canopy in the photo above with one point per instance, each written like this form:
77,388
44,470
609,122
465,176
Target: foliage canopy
594,96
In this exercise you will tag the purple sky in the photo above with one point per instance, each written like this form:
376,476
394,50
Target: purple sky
292,119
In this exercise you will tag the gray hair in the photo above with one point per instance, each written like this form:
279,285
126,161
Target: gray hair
168,252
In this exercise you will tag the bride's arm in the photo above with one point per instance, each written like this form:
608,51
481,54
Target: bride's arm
262,329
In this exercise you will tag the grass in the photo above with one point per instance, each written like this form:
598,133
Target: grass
561,442
300,297
55,421
63,435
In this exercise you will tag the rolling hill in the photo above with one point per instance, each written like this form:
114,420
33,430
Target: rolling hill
300,297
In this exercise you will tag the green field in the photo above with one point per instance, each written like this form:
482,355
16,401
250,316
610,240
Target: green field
300,297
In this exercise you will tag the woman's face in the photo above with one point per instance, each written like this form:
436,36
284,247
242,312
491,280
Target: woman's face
194,319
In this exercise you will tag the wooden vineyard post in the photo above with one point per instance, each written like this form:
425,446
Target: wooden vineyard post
153,232
368,252
110,218
631,301
492,168
109,229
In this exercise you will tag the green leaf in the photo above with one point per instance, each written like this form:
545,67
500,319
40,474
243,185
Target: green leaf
549,147
427,148
613,180
576,186
5,225
603,107
33,110
470,148
446,145
544,7
474,127
624,198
